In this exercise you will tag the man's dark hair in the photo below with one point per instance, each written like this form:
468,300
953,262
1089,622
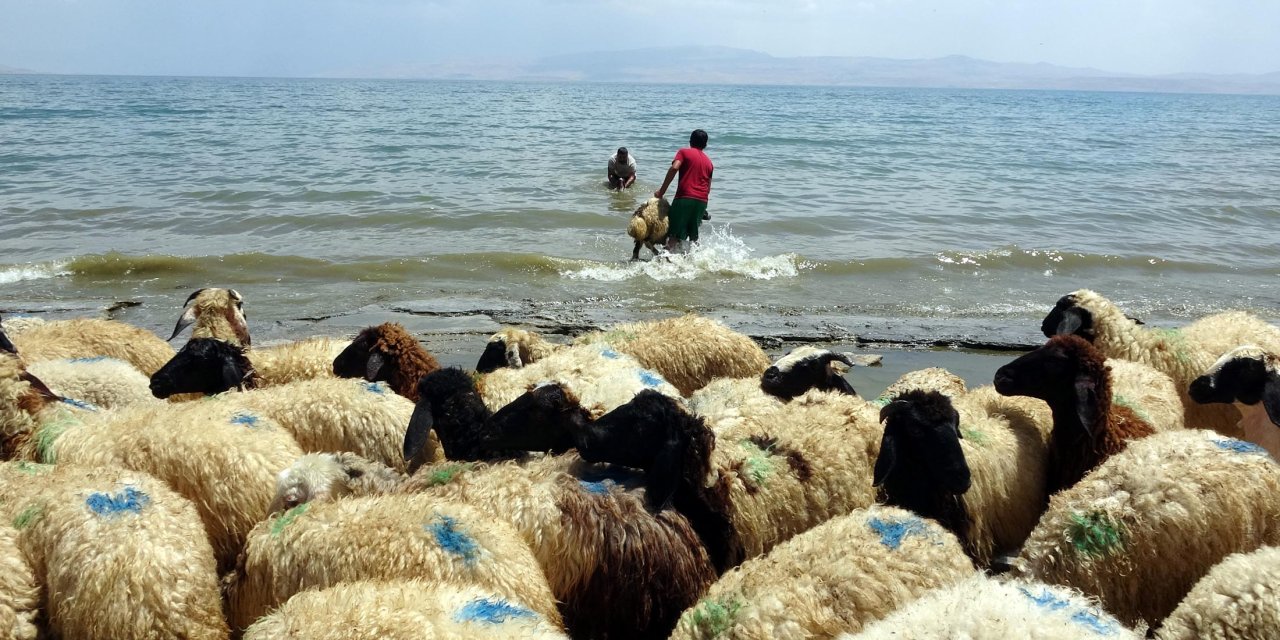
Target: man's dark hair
622,151
698,139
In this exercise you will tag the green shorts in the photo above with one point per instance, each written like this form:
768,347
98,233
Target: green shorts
684,217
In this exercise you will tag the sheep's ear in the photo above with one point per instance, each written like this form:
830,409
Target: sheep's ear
187,319
663,476
39,385
5,345
838,383
418,433
1087,404
233,377
1071,321
374,366
513,356
886,460
1271,397
953,470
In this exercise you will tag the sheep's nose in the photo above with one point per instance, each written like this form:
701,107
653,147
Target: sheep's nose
1201,389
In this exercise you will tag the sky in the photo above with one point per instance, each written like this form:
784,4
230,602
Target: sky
369,37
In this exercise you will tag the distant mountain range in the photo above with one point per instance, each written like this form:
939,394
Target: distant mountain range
723,65
13,70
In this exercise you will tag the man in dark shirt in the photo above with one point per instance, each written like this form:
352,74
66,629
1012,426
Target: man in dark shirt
689,207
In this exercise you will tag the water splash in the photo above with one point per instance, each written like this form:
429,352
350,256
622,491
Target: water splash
720,253
20,273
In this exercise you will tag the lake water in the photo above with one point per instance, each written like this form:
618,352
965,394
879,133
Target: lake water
886,214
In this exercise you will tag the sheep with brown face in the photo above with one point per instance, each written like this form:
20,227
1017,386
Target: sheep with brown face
386,353
1072,377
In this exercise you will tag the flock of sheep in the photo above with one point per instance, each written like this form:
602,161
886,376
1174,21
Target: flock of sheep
653,480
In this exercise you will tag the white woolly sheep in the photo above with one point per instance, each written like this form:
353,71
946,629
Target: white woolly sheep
930,379
119,555
1239,599
401,610
218,314
835,577
19,592
1143,527
220,456
978,473
89,338
324,477
984,609
1071,376
1249,378
648,225
106,383
689,351
1182,354
314,546
600,377
588,527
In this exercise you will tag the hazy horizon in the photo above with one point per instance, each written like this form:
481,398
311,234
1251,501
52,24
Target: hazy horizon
308,38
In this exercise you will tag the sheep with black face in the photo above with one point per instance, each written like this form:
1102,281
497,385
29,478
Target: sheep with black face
807,368
978,472
450,408
1071,376
205,365
1249,378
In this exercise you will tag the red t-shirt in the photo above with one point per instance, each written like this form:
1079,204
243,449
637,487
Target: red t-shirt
695,174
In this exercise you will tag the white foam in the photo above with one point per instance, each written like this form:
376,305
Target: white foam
19,273
718,253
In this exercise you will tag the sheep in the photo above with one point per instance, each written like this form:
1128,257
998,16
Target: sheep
980,475
1249,378
1071,376
6,344
220,456
930,379
648,225
689,351
807,368
599,376
984,609
747,488
26,403
386,353
401,610
1144,526
588,527
119,555
1239,599
323,477
19,592
104,382
835,577
314,546
323,414
1182,354
88,338
218,314
450,408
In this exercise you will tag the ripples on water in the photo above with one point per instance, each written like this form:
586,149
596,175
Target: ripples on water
319,197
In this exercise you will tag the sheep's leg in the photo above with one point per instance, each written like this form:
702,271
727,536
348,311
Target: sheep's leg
635,252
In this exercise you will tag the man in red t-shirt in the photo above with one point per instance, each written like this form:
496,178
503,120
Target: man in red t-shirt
690,204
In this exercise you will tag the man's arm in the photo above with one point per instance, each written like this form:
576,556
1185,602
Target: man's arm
671,174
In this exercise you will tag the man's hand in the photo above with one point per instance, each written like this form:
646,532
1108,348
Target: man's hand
659,193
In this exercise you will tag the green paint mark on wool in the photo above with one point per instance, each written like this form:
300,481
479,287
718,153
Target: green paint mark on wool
1122,401
975,437
287,519
445,474
759,463
881,401
33,468
28,516
49,433
715,617
1094,534
1176,341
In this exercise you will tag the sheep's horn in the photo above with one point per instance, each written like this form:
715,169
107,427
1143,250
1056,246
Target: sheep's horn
193,296
187,319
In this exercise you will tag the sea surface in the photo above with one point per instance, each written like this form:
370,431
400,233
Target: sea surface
896,215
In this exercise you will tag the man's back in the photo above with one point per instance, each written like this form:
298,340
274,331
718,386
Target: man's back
695,174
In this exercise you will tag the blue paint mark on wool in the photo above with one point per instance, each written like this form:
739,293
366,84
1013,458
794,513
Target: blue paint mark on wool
893,532
1049,602
598,488
375,387
650,379
79,404
610,354
130,500
88,360
245,419
453,539
1239,446
491,611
